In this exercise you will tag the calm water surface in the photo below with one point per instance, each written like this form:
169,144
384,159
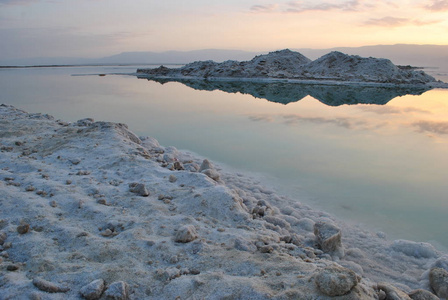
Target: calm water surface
383,165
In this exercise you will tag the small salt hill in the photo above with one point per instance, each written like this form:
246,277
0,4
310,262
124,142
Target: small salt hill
332,68
340,66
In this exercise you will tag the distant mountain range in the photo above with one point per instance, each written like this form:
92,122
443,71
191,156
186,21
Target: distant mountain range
400,54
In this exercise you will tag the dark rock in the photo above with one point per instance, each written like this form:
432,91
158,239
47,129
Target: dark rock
178,166
438,280
328,237
12,267
24,228
3,237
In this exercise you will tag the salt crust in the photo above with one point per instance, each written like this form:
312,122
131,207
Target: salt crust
243,240
334,68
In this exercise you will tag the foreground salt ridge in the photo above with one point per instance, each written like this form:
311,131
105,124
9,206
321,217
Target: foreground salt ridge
91,210
334,68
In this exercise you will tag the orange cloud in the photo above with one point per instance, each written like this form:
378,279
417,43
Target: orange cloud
299,6
398,22
439,5
432,127
388,22
264,8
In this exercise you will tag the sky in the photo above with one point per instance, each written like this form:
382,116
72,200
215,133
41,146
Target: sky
97,28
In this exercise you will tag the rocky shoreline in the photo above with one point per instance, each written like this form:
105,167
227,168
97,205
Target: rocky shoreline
91,211
334,68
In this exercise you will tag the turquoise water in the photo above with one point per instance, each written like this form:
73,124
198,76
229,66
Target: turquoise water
382,164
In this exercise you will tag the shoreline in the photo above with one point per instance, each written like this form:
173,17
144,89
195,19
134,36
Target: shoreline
432,85
91,200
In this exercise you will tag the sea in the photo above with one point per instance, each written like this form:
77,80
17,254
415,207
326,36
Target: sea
374,157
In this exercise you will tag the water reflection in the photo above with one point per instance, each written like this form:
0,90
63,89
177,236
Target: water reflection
284,93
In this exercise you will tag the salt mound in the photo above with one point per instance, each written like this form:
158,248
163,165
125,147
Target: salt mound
332,68
91,233
340,66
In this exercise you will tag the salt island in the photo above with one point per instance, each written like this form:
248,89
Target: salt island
334,68
89,210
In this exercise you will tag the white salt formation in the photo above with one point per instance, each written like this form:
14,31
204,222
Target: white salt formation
332,68
105,220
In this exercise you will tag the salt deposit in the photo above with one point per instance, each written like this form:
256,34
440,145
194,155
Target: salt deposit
332,68
106,219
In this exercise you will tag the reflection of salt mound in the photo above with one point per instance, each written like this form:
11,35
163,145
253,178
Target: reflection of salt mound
288,64
281,92
340,95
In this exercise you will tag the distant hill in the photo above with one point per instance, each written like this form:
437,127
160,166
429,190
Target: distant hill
178,57
168,57
400,54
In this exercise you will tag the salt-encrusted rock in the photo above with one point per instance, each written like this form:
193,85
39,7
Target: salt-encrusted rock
278,222
192,167
107,233
422,295
415,249
83,173
381,235
438,280
93,290
3,237
118,291
392,293
328,237
35,296
150,142
336,281
267,249
168,274
139,189
172,178
48,286
206,165
306,224
85,122
168,157
352,266
186,234
245,245
212,174
75,161
30,188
